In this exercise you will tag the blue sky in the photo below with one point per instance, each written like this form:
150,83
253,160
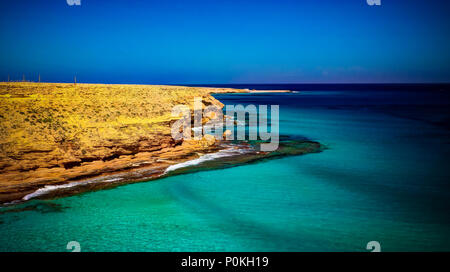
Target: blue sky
196,41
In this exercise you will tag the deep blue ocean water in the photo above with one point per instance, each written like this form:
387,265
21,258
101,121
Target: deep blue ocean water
384,177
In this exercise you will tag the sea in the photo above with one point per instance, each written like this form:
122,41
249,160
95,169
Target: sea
383,177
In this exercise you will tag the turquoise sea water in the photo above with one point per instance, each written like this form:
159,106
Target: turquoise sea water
384,177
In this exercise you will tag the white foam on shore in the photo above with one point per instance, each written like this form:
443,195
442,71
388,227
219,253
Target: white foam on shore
50,188
228,152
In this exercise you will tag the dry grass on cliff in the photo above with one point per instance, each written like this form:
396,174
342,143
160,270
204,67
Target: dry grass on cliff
68,121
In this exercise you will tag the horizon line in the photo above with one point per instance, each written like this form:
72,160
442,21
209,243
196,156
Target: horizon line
273,83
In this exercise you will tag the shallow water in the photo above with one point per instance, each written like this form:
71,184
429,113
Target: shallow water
384,177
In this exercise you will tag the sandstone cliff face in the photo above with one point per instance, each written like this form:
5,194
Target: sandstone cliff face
55,133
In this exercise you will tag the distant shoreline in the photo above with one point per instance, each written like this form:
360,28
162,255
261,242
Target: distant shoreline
270,91
334,86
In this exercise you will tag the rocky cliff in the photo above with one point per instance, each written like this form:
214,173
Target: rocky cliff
57,133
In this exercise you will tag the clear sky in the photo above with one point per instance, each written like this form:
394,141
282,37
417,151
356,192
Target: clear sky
212,41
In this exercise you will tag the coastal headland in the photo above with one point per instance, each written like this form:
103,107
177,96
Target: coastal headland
58,133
